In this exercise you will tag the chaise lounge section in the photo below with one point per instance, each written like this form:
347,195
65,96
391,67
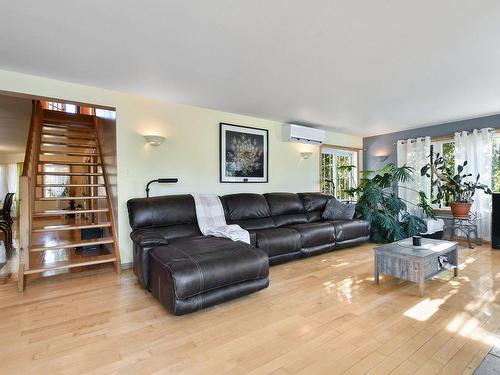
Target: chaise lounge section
187,271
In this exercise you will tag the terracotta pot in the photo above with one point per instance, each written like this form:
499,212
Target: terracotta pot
460,209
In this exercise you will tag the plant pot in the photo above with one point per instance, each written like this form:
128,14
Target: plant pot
460,209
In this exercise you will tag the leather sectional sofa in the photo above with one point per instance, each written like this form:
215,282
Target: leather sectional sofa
187,271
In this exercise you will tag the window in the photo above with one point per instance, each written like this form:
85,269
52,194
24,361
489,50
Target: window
105,113
62,107
339,171
495,173
447,150
55,191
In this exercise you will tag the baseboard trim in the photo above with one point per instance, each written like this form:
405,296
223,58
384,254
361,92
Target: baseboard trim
126,266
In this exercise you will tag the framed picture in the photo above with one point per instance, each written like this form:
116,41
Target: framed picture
243,154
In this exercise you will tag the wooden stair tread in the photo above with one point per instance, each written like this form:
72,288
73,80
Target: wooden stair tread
71,198
69,244
72,135
55,162
67,212
51,144
70,185
63,227
67,126
68,130
69,173
67,153
78,131
63,118
36,267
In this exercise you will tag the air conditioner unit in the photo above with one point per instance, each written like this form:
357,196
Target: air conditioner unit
303,134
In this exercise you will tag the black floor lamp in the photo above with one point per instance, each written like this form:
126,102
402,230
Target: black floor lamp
161,181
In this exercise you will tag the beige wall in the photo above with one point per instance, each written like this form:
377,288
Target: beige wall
191,151
11,158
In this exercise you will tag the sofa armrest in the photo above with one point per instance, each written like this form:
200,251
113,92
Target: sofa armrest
148,238
145,240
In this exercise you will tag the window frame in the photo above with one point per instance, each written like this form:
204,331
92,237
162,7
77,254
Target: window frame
339,151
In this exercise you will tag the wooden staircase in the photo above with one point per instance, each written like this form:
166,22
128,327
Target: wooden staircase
63,166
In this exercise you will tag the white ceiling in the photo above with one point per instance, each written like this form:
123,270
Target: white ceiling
15,115
362,67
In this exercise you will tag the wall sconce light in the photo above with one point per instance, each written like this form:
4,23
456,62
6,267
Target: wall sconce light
381,158
154,140
305,155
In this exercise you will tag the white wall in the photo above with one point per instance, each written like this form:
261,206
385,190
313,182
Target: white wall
191,151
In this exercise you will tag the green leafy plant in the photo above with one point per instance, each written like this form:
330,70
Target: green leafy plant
387,213
451,184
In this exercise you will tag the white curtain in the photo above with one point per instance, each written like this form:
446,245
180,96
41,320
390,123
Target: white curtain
4,189
12,185
9,180
414,153
477,147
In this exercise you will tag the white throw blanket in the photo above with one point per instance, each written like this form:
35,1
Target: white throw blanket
212,221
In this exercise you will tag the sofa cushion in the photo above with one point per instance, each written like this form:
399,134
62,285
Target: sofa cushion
200,264
286,208
315,234
278,241
161,211
314,205
336,210
179,231
350,229
250,211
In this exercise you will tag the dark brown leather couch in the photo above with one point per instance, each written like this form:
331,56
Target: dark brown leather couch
187,271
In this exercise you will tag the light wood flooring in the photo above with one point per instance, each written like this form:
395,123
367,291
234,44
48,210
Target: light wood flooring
321,315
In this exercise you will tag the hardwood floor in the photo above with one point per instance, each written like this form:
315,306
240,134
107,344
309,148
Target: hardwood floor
321,315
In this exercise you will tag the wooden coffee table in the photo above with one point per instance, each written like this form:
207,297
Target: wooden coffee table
403,260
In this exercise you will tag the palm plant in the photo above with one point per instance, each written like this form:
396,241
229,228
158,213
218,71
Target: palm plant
387,213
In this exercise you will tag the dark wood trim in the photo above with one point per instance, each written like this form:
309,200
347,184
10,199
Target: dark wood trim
110,213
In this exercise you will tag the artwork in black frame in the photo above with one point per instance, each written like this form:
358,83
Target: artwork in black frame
243,154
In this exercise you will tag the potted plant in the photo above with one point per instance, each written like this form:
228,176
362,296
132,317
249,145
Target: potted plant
457,186
378,203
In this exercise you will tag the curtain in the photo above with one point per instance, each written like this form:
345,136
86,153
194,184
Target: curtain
12,185
9,183
414,153
477,148
4,189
